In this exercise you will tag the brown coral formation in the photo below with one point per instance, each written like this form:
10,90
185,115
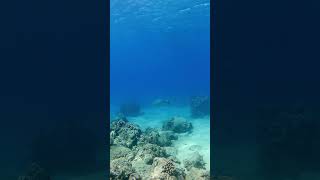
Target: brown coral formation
177,125
164,169
149,154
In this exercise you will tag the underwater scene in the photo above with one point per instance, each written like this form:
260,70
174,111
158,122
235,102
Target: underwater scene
160,90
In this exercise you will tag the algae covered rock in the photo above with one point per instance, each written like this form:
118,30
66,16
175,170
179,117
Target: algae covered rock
147,152
165,169
177,125
142,169
161,138
194,160
120,151
135,176
124,133
120,169
166,138
150,135
200,106
198,174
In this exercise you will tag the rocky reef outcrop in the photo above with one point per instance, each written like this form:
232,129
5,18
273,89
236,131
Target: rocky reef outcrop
149,154
161,138
164,169
200,106
120,168
177,125
194,160
124,133
117,151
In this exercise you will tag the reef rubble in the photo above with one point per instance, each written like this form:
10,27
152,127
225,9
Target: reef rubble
149,154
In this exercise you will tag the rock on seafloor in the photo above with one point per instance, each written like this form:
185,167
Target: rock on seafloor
124,133
177,125
194,160
166,169
147,152
120,169
149,155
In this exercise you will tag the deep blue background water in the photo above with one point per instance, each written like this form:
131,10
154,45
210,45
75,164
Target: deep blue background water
53,70
167,54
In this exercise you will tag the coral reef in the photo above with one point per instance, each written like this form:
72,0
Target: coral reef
177,125
166,138
161,138
150,135
124,133
142,169
120,169
164,169
135,176
120,151
130,109
149,155
194,160
147,152
200,106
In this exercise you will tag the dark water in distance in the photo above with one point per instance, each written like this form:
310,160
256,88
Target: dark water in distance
53,64
266,77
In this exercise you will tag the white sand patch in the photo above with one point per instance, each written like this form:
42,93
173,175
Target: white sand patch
198,140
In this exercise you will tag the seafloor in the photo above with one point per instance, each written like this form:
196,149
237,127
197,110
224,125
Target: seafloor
199,137
188,151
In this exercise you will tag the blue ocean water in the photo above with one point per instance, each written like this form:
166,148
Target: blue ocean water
159,49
